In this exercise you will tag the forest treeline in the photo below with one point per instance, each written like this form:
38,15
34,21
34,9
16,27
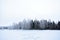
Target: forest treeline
35,25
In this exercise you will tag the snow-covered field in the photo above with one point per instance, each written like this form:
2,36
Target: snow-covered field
29,35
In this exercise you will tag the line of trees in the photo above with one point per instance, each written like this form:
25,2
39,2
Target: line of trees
36,25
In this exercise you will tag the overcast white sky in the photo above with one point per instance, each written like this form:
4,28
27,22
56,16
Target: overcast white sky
15,10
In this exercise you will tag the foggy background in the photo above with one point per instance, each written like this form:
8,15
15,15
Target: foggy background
13,11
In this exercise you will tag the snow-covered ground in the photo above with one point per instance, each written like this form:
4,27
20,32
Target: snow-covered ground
29,35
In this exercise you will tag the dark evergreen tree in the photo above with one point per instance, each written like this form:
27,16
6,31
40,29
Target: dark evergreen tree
31,24
58,25
54,25
50,25
36,24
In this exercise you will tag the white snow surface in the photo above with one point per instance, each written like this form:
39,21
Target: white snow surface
29,34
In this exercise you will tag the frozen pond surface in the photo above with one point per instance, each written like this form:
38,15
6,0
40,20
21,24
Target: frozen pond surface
29,35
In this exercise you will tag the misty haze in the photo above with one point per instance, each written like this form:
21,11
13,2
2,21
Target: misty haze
29,19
